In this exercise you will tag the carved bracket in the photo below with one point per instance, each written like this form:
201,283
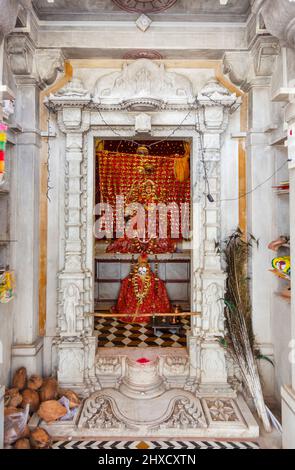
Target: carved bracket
9,13
40,65
279,20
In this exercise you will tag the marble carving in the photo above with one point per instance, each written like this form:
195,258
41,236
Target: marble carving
143,84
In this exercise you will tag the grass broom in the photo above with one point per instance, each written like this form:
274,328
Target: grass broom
238,317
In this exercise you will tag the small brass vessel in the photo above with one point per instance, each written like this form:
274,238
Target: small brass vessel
175,319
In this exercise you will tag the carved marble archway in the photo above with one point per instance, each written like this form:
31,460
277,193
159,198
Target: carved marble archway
140,87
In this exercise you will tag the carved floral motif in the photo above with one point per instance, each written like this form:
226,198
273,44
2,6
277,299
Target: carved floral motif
100,414
222,410
185,414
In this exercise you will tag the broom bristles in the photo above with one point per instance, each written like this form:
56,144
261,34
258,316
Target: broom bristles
238,316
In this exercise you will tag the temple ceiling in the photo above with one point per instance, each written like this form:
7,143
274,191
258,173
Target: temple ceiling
124,10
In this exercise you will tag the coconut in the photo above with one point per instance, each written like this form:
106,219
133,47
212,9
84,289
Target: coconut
22,444
26,432
20,378
31,397
10,410
48,391
40,439
51,410
71,396
35,382
12,397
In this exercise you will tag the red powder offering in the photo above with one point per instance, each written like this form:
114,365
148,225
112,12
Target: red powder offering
143,360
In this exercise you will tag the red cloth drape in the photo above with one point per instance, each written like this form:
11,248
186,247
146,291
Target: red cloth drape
156,300
117,172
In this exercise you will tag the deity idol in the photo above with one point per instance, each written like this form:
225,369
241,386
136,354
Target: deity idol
142,292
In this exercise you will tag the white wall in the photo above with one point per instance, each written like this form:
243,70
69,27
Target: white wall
6,231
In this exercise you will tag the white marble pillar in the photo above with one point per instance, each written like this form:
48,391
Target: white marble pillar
74,342
214,102
288,390
260,223
27,348
32,72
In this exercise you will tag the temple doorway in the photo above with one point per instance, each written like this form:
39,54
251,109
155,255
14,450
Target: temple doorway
125,168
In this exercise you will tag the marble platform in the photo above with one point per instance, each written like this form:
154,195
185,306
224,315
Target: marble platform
145,405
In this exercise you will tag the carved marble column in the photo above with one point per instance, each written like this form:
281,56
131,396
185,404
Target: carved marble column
30,77
214,104
74,341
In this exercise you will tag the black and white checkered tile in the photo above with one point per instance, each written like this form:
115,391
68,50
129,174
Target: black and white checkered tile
173,444
113,333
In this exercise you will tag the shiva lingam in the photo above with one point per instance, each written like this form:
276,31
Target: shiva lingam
142,379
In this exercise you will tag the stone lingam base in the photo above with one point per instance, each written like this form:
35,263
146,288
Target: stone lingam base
143,405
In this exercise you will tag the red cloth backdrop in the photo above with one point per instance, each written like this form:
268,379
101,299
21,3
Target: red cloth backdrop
117,172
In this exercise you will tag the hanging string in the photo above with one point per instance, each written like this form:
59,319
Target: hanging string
201,140
220,103
49,187
202,150
256,187
126,139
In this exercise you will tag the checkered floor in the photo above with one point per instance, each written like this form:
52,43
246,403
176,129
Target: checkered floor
155,445
111,332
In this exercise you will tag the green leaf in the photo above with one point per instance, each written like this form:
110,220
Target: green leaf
223,342
230,305
265,358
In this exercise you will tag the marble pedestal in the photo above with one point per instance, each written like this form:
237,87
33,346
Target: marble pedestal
144,405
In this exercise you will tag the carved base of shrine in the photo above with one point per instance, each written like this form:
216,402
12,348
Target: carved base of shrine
145,403
177,412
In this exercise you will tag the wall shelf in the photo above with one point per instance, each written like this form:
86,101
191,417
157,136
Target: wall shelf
282,94
282,192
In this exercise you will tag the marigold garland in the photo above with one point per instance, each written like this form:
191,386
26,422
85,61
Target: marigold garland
141,295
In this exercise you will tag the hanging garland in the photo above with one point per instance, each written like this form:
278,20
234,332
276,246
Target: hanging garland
3,139
141,295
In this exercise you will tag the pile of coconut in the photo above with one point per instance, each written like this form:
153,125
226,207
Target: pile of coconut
39,395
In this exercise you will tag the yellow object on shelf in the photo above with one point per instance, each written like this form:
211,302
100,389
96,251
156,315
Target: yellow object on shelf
282,264
7,286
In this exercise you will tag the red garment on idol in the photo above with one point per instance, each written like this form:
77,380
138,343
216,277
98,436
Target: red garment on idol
156,300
